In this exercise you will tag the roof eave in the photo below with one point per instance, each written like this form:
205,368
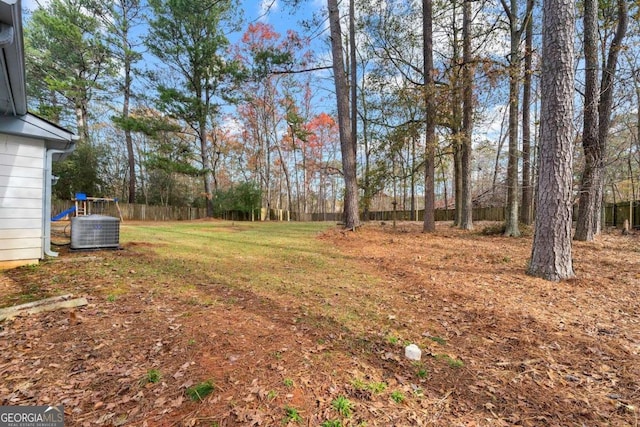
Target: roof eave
32,126
12,69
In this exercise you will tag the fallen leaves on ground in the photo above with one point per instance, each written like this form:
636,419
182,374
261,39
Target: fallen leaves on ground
499,348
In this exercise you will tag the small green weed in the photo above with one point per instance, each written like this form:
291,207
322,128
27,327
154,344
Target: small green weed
359,384
291,414
200,391
272,394
422,373
207,302
392,340
111,298
377,387
397,396
343,406
374,387
439,340
331,423
153,376
453,363
288,382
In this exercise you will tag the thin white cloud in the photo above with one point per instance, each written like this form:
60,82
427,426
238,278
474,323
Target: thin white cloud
231,125
266,7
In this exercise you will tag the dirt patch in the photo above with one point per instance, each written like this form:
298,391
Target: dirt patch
8,286
133,245
499,347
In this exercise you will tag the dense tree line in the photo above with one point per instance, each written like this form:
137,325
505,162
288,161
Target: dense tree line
171,111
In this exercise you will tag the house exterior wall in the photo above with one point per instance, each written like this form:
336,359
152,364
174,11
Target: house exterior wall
22,162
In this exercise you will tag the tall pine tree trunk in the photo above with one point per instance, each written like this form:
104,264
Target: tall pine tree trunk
347,146
82,120
592,185
413,216
511,223
366,203
606,105
287,180
430,119
527,193
127,59
467,119
551,256
457,178
456,116
131,160
207,177
585,227
354,75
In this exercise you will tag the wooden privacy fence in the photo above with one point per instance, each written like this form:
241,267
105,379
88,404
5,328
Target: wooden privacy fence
137,212
479,214
615,213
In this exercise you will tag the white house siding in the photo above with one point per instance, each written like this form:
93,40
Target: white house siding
21,198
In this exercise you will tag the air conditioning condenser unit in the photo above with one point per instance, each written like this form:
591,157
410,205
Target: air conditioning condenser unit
95,232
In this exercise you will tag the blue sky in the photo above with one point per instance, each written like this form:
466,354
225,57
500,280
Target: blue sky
280,15
283,18
274,12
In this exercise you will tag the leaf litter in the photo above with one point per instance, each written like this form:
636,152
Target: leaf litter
530,352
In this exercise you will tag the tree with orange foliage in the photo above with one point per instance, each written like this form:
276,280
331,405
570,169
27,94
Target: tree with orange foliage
266,56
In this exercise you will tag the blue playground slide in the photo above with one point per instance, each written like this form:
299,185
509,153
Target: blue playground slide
62,214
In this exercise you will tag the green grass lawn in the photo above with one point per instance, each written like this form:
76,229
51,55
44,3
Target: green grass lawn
285,262
281,261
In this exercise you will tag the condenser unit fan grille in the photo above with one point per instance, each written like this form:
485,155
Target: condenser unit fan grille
95,232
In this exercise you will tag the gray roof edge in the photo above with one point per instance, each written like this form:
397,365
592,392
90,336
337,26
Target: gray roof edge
32,126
